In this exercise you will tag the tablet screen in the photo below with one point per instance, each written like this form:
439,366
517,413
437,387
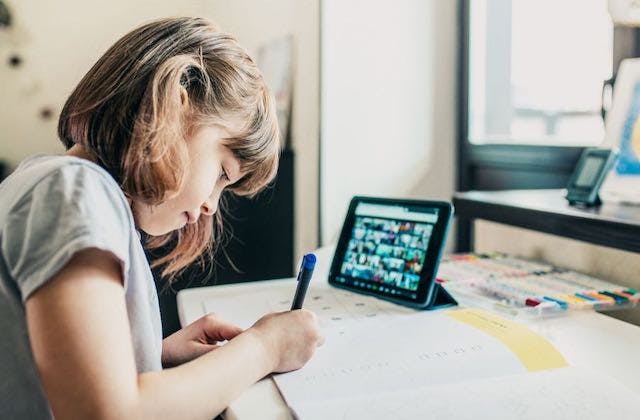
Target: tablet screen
387,247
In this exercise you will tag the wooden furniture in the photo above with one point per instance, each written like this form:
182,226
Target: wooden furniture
612,225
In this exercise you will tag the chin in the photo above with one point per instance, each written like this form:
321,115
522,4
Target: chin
158,230
153,232
154,227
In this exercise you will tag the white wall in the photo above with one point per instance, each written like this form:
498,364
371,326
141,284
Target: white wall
388,83
59,41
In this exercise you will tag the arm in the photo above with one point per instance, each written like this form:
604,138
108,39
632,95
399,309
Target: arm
81,343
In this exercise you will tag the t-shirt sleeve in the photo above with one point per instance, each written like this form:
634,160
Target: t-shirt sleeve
73,208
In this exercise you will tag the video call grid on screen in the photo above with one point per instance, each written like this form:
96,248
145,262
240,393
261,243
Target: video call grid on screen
388,244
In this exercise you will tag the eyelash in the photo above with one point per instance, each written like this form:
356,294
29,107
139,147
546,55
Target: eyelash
223,175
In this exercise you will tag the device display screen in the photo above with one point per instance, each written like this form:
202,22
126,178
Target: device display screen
589,172
387,248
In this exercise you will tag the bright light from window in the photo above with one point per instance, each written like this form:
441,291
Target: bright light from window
536,69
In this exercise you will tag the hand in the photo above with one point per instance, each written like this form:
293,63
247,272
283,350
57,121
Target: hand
196,339
291,337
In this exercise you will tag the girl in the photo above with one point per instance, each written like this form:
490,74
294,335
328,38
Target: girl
173,114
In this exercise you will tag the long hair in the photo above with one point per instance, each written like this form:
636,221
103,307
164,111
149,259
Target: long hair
149,92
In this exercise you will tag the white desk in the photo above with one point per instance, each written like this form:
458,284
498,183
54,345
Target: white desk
586,339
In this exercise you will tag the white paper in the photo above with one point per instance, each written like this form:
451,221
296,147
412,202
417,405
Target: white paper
567,393
396,353
245,304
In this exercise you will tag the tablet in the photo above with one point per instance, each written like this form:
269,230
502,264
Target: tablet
391,248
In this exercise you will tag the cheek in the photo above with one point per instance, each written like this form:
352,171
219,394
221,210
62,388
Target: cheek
202,184
200,191
154,221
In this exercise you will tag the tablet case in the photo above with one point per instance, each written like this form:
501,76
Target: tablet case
440,297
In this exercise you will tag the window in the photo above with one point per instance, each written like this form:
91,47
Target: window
536,69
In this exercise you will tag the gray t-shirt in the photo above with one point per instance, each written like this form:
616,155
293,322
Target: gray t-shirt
50,208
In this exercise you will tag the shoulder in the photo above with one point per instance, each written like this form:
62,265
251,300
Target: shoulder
66,170
61,205
66,180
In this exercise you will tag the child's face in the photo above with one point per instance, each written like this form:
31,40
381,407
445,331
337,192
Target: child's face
212,167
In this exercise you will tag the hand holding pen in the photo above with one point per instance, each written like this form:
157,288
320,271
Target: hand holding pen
292,336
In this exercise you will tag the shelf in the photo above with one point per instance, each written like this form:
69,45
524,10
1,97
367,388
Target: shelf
612,225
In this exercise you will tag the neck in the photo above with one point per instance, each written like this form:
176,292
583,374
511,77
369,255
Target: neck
80,151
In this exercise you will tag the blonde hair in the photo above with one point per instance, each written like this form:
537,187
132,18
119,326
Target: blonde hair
151,90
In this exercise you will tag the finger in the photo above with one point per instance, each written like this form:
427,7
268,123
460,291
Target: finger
229,331
199,349
216,329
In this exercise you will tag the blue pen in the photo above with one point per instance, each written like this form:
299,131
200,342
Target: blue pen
304,277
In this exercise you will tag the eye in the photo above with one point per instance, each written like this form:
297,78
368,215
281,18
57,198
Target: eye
223,175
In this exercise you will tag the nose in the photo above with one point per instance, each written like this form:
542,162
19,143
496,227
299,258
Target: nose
208,208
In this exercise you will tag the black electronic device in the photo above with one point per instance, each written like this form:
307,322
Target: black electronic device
391,248
588,175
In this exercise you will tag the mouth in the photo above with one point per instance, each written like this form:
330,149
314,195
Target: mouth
191,219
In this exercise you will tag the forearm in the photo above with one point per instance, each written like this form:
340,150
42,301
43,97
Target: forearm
205,386
87,365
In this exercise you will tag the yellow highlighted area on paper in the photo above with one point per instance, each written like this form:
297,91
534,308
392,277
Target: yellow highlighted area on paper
534,351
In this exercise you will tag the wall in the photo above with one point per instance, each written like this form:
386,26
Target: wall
607,263
388,85
59,42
